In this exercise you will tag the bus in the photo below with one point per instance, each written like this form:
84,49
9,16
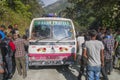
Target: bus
52,41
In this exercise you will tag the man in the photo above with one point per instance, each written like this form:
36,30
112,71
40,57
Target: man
101,34
15,29
26,49
20,55
93,52
117,50
10,30
1,66
9,50
108,42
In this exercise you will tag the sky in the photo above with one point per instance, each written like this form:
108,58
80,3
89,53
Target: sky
47,2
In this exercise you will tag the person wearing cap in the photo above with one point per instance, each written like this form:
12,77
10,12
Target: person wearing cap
94,53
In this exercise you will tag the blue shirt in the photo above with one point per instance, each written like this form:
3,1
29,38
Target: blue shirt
2,34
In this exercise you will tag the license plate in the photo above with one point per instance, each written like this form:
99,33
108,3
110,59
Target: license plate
50,62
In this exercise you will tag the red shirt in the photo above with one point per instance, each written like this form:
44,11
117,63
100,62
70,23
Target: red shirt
12,46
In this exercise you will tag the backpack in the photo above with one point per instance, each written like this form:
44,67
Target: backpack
8,49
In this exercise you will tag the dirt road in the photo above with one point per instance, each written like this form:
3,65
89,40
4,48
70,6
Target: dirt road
58,73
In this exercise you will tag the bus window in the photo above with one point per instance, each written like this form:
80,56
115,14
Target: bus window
61,31
56,29
40,31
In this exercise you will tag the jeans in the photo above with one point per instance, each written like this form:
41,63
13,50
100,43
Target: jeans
93,72
104,74
9,65
1,76
108,65
26,61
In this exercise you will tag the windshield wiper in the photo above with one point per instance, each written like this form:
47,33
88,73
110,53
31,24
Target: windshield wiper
39,39
62,39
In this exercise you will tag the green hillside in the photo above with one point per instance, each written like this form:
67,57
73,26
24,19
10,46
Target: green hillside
19,12
57,6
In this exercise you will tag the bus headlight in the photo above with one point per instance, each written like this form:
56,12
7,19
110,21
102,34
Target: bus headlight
33,58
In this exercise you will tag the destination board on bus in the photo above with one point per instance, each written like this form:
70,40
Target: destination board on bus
48,22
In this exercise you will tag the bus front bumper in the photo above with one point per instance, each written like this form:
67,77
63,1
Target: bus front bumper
50,62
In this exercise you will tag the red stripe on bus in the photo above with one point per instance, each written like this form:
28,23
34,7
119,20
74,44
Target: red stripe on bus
43,55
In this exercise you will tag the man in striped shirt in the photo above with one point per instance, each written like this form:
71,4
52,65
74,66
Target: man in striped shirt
108,42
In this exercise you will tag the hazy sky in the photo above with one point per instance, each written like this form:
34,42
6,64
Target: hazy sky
47,2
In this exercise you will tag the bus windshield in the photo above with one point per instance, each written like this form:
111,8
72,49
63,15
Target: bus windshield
52,29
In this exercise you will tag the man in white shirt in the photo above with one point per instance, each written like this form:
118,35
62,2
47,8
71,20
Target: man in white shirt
93,52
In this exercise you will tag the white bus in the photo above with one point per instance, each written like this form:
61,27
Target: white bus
52,41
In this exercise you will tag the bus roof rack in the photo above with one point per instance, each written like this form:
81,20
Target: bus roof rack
50,15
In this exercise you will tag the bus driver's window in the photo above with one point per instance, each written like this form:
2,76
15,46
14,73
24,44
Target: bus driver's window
33,36
35,32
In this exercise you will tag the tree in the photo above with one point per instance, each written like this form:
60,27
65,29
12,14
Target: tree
98,12
36,8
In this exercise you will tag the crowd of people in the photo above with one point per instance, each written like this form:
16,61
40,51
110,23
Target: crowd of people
12,52
100,53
